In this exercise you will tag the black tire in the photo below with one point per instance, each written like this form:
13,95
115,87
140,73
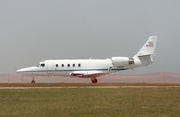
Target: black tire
33,81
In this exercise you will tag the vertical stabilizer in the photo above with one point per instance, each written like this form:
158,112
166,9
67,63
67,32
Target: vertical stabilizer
148,48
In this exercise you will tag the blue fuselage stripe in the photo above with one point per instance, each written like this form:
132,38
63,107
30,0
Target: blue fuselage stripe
71,70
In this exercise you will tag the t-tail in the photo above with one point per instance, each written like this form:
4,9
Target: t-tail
145,55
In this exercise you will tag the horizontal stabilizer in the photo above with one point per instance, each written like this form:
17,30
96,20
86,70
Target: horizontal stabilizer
144,55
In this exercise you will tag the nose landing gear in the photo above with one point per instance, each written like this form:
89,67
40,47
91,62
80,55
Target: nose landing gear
33,81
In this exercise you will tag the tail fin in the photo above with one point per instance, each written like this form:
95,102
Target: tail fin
148,48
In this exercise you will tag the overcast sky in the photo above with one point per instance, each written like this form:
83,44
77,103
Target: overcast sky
36,30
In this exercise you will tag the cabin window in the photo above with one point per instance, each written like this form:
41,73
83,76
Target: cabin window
62,65
68,65
73,65
79,65
56,65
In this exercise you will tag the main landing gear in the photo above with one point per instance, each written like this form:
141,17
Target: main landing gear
33,81
93,79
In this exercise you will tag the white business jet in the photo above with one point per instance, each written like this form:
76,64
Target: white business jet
92,68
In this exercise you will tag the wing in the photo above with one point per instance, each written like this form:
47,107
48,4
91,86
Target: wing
87,74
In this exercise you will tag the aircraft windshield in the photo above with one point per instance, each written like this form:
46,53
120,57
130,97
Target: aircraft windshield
41,65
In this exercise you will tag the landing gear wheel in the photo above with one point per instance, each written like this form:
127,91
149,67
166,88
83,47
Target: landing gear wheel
93,79
33,81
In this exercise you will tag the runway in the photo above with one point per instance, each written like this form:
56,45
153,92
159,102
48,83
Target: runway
98,87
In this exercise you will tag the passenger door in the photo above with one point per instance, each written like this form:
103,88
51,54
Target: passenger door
50,67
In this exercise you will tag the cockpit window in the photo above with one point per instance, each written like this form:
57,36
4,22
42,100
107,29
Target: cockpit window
42,65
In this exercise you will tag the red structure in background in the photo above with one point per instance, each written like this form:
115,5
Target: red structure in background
159,77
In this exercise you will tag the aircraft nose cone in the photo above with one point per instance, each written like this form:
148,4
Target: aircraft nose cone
23,70
19,71
26,70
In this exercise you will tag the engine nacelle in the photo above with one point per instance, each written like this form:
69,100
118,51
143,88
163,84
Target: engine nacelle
122,61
